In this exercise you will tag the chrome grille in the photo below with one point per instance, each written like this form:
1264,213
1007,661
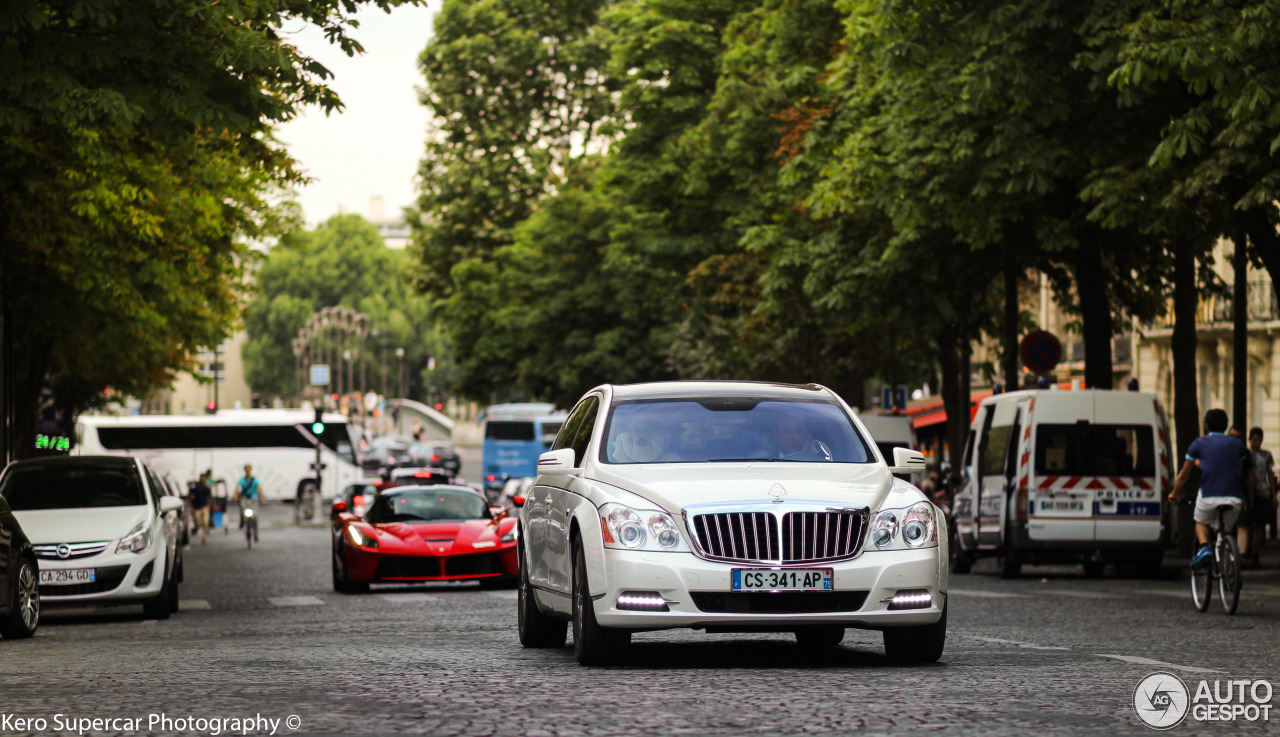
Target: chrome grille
738,535
769,537
818,536
74,550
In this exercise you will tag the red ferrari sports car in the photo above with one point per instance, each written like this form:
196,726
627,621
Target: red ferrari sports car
413,534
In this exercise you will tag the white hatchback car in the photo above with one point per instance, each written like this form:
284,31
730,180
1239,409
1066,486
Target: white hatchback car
103,528
727,506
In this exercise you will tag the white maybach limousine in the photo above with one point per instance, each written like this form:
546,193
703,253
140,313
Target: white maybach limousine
728,507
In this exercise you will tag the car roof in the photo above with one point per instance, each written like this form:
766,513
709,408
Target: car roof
430,489
122,461
695,389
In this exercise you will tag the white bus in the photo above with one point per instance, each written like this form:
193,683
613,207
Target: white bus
278,443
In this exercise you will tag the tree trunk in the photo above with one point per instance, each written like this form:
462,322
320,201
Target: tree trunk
1095,310
1185,299
1011,311
1240,337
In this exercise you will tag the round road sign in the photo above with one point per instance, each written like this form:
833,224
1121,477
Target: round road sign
1040,351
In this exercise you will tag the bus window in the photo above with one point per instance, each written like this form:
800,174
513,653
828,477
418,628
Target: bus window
509,430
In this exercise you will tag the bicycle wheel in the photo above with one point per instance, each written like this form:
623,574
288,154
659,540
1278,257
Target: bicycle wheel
1201,580
1229,572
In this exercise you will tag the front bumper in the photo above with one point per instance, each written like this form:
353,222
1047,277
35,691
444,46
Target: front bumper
116,579
860,587
371,566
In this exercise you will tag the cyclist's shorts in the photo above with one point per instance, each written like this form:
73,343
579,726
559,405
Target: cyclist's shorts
1207,510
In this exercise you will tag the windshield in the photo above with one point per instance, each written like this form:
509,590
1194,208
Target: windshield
428,506
731,429
71,487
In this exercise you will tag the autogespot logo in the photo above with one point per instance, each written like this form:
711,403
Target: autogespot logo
1161,700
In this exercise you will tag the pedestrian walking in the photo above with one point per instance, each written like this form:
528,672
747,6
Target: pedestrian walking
201,501
1264,495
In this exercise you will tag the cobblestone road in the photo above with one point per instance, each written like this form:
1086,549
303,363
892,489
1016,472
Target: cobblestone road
261,632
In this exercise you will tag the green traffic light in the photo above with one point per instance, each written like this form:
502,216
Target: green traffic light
317,428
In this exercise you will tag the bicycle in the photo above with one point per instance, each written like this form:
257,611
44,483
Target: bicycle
1223,566
250,515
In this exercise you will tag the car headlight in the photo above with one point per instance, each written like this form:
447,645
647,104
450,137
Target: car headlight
137,541
899,529
359,538
512,535
644,529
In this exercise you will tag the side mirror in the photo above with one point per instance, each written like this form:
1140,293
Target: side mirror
339,507
907,461
517,500
170,504
558,463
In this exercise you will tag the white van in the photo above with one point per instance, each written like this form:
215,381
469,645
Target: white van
892,431
1065,476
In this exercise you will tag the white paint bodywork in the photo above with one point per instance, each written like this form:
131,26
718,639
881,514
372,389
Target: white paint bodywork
563,508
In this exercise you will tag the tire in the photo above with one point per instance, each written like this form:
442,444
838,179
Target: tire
159,607
535,628
918,644
1010,566
1094,569
342,583
1229,574
173,594
338,580
961,560
1201,579
593,644
821,635
24,609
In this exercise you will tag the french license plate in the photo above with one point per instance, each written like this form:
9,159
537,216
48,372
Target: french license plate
790,579
1062,505
67,576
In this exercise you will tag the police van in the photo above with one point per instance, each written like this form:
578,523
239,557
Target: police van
1065,477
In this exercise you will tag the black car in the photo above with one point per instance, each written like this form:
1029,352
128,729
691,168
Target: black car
436,455
19,579
356,498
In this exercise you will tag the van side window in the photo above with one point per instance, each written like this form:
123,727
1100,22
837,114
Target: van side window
994,445
995,450
1095,450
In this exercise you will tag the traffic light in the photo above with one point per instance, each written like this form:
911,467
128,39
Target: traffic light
317,427
211,407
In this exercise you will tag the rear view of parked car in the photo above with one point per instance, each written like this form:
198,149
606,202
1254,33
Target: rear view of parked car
102,528
19,579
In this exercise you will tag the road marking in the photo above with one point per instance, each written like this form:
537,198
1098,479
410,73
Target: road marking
1027,645
986,594
188,604
1160,663
294,601
416,597
1080,594
510,595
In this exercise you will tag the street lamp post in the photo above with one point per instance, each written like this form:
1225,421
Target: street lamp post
400,376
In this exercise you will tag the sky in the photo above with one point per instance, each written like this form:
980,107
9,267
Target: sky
372,147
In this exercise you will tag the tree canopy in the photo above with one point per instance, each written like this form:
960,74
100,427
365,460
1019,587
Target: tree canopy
136,163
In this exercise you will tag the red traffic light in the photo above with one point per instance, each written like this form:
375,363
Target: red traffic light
439,406
211,407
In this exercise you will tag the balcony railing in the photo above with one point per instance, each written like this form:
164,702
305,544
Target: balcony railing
1263,305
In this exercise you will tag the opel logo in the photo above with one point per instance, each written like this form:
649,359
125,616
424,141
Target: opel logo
777,492
64,551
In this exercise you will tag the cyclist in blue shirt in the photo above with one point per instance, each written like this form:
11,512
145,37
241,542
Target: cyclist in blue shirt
1226,479
248,491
